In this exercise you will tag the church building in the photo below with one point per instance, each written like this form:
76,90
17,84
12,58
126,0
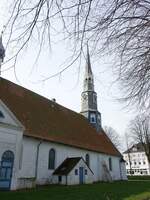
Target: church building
43,142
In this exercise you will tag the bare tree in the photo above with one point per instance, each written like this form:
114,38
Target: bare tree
140,130
118,26
128,147
113,136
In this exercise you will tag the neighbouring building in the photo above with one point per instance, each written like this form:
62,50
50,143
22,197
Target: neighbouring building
136,161
42,142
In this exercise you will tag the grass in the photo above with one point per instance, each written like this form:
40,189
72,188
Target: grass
126,190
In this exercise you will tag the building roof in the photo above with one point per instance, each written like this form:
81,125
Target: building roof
135,148
47,120
67,165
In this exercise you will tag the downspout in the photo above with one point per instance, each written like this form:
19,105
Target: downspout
37,160
120,169
66,180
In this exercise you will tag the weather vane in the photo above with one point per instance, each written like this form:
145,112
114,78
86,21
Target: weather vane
2,51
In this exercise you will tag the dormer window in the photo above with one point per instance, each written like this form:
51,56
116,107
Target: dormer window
1,115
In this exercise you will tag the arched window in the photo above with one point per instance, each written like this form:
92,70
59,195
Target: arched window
87,160
51,163
8,156
110,164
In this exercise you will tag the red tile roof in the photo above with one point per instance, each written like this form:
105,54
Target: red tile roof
50,121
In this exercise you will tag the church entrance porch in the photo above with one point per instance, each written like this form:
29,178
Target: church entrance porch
6,169
73,171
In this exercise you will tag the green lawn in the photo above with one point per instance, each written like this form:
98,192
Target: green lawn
132,190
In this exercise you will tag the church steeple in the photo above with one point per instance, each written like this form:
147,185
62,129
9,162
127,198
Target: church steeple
88,78
88,62
89,96
2,52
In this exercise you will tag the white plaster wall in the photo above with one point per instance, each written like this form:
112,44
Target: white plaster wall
55,180
26,183
62,152
25,176
10,139
27,170
11,134
44,175
73,179
116,170
28,162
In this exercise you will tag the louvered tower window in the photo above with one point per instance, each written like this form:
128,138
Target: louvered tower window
1,115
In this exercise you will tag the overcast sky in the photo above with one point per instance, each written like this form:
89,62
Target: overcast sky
67,88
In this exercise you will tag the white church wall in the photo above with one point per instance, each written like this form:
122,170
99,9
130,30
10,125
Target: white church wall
44,175
26,173
28,162
115,172
73,179
11,133
10,139
56,181
62,152
26,183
